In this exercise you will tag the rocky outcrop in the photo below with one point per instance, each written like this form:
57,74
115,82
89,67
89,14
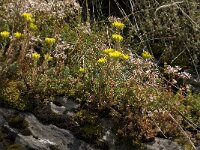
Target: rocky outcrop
25,131
47,137
163,144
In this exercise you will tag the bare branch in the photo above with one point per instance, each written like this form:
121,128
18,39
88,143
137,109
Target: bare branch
167,5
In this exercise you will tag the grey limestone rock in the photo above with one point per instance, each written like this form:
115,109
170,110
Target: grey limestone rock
163,144
40,136
47,137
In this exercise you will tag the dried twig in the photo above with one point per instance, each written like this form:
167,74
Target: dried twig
183,131
167,5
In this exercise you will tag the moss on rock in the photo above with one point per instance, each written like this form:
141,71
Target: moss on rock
10,95
91,131
15,147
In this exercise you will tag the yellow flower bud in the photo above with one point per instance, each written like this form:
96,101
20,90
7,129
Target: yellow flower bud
115,54
28,17
82,70
125,57
33,26
118,24
146,55
4,34
107,51
102,60
18,35
50,41
117,37
48,57
35,56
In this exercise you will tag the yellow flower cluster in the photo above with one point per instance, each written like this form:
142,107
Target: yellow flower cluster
115,54
118,25
35,56
82,70
33,26
125,57
28,17
18,35
102,60
117,37
109,50
146,55
4,34
48,57
112,53
50,41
